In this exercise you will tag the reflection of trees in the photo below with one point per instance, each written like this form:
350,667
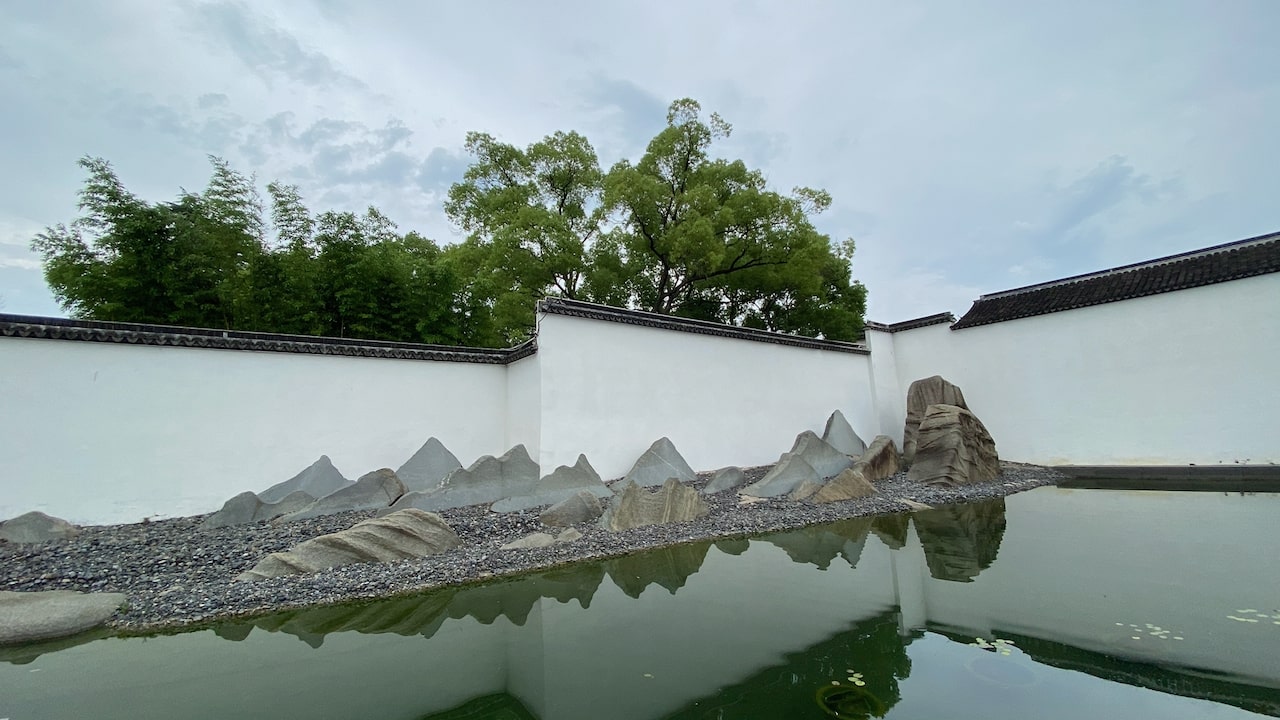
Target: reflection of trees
871,647
819,545
499,706
669,567
961,541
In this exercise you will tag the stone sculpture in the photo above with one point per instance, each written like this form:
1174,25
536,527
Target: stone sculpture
564,482
954,448
317,480
32,616
372,491
582,506
848,485
399,536
660,462
248,507
430,465
635,507
487,480
726,478
932,390
880,459
36,527
839,434
810,458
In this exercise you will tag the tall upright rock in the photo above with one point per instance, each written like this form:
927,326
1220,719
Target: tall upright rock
660,462
430,465
933,390
320,478
954,448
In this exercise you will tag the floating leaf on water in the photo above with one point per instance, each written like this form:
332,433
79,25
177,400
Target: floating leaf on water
1135,637
1177,637
835,682
859,683
648,675
1120,624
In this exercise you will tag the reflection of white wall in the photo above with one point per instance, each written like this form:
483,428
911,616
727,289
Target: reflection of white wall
1048,582
1176,378
105,432
610,390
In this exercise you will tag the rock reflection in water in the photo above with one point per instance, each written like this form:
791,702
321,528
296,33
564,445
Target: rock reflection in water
668,567
892,529
961,541
820,545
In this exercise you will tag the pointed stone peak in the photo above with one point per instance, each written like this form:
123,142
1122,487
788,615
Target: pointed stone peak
428,466
658,464
839,434
320,478
826,460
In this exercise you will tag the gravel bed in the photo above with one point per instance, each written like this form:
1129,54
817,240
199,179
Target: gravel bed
177,575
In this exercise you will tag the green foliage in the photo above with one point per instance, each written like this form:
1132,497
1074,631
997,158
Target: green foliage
678,232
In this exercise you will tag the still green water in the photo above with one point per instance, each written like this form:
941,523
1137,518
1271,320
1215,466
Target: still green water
1108,604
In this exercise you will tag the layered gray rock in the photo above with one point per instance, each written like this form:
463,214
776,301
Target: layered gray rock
582,506
880,460
839,434
248,507
848,485
487,480
372,491
319,479
804,490
783,478
564,482
928,391
532,540
33,616
428,467
399,536
660,462
726,478
824,459
954,448
635,507
36,527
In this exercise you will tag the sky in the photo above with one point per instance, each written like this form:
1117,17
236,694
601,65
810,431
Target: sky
969,147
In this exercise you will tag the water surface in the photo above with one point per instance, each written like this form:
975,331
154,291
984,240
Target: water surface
1113,604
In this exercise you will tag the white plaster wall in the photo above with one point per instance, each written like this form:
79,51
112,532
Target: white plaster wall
1170,379
524,401
109,433
609,390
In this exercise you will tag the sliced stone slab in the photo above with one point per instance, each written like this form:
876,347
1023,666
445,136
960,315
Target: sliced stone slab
428,467
372,491
487,480
933,390
660,462
784,477
954,448
532,540
839,434
636,507
36,527
319,479
582,506
398,536
564,482
726,478
880,459
848,485
32,616
247,507
568,535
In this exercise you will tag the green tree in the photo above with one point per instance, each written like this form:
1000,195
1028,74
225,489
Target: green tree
531,214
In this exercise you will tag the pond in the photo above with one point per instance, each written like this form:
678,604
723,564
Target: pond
1055,603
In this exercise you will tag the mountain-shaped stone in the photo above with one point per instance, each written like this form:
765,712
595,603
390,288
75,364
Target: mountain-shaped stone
783,478
319,479
660,462
428,467
398,536
372,491
726,478
839,434
580,507
248,507
487,480
954,448
36,527
561,484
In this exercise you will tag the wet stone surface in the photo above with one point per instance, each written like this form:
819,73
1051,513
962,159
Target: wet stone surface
176,574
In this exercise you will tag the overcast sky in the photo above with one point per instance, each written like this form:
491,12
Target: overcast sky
969,146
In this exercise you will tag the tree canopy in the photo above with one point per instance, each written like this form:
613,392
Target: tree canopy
679,231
